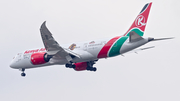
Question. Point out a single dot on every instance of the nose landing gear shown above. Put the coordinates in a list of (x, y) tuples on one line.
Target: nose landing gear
[(22, 74)]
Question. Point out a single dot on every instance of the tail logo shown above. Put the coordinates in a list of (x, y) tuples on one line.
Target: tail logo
[(140, 21)]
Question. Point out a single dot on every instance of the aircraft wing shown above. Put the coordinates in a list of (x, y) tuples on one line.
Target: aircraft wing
[(51, 45)]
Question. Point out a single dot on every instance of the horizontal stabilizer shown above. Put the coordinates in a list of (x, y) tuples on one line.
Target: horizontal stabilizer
[(140, 49), (146, 48), (162, 39), (133, 37)]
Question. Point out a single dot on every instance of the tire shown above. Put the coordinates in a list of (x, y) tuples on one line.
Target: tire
[(23, 74), (73, 66), (67, 65), (94, 69), (88, 68)]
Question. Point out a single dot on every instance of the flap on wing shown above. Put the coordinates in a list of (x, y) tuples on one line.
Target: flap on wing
[(140, 49), (133, 37), (72, 53)]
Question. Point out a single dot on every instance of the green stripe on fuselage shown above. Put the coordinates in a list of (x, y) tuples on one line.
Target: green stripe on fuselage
[(115, 49), (139, 32)]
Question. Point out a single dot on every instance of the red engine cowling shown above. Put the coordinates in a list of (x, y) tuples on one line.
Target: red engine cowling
[(39, 58), (80, 66)]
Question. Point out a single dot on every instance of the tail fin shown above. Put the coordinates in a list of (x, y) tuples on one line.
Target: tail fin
[(140, 22)]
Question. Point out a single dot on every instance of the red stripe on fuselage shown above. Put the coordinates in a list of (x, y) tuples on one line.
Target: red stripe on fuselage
[(104, 51)]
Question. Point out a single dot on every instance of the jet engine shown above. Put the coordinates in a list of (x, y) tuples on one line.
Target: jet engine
[(80, 66), (40, 58), (83, 66)]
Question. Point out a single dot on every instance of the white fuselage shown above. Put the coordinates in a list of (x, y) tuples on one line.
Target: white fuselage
[(88, 51)]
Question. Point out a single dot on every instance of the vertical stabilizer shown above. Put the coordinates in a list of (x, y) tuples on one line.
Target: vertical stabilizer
[(140, 22)]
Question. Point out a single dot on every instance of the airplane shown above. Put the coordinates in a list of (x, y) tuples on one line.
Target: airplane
[(82, 56)]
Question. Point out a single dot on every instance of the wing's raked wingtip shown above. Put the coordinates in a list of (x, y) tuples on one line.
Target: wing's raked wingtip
[(43, 24), (150, 3)]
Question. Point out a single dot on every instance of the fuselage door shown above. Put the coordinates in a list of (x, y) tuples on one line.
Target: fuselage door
[(85, 46), (18, 57)]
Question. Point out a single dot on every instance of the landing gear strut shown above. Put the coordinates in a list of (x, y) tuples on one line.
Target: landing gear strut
[(22, 74), (90, 66)]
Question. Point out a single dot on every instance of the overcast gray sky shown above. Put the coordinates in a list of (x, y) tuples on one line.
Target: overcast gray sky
[(151, 75)]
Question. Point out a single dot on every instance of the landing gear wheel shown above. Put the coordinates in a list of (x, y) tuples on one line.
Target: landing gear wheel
[(94, 69), (67, 65), (88, 68), (73, 66), (91, 69), (23, 74)]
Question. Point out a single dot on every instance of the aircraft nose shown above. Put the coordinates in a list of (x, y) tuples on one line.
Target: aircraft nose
[(12, 64)]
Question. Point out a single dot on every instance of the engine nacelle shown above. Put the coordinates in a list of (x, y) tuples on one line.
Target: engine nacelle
[(40, 58), (80, 66)]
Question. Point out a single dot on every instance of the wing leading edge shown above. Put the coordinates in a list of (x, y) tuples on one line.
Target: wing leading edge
[(52, 46)]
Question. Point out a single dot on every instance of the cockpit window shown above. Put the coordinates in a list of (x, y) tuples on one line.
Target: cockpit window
[(17, 55)]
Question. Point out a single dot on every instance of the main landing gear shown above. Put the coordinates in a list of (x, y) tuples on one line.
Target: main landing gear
[(22, 74), (70, 65), (90, 66)]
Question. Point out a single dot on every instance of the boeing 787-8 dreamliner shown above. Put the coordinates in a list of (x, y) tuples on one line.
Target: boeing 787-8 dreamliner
[(82, 56)]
